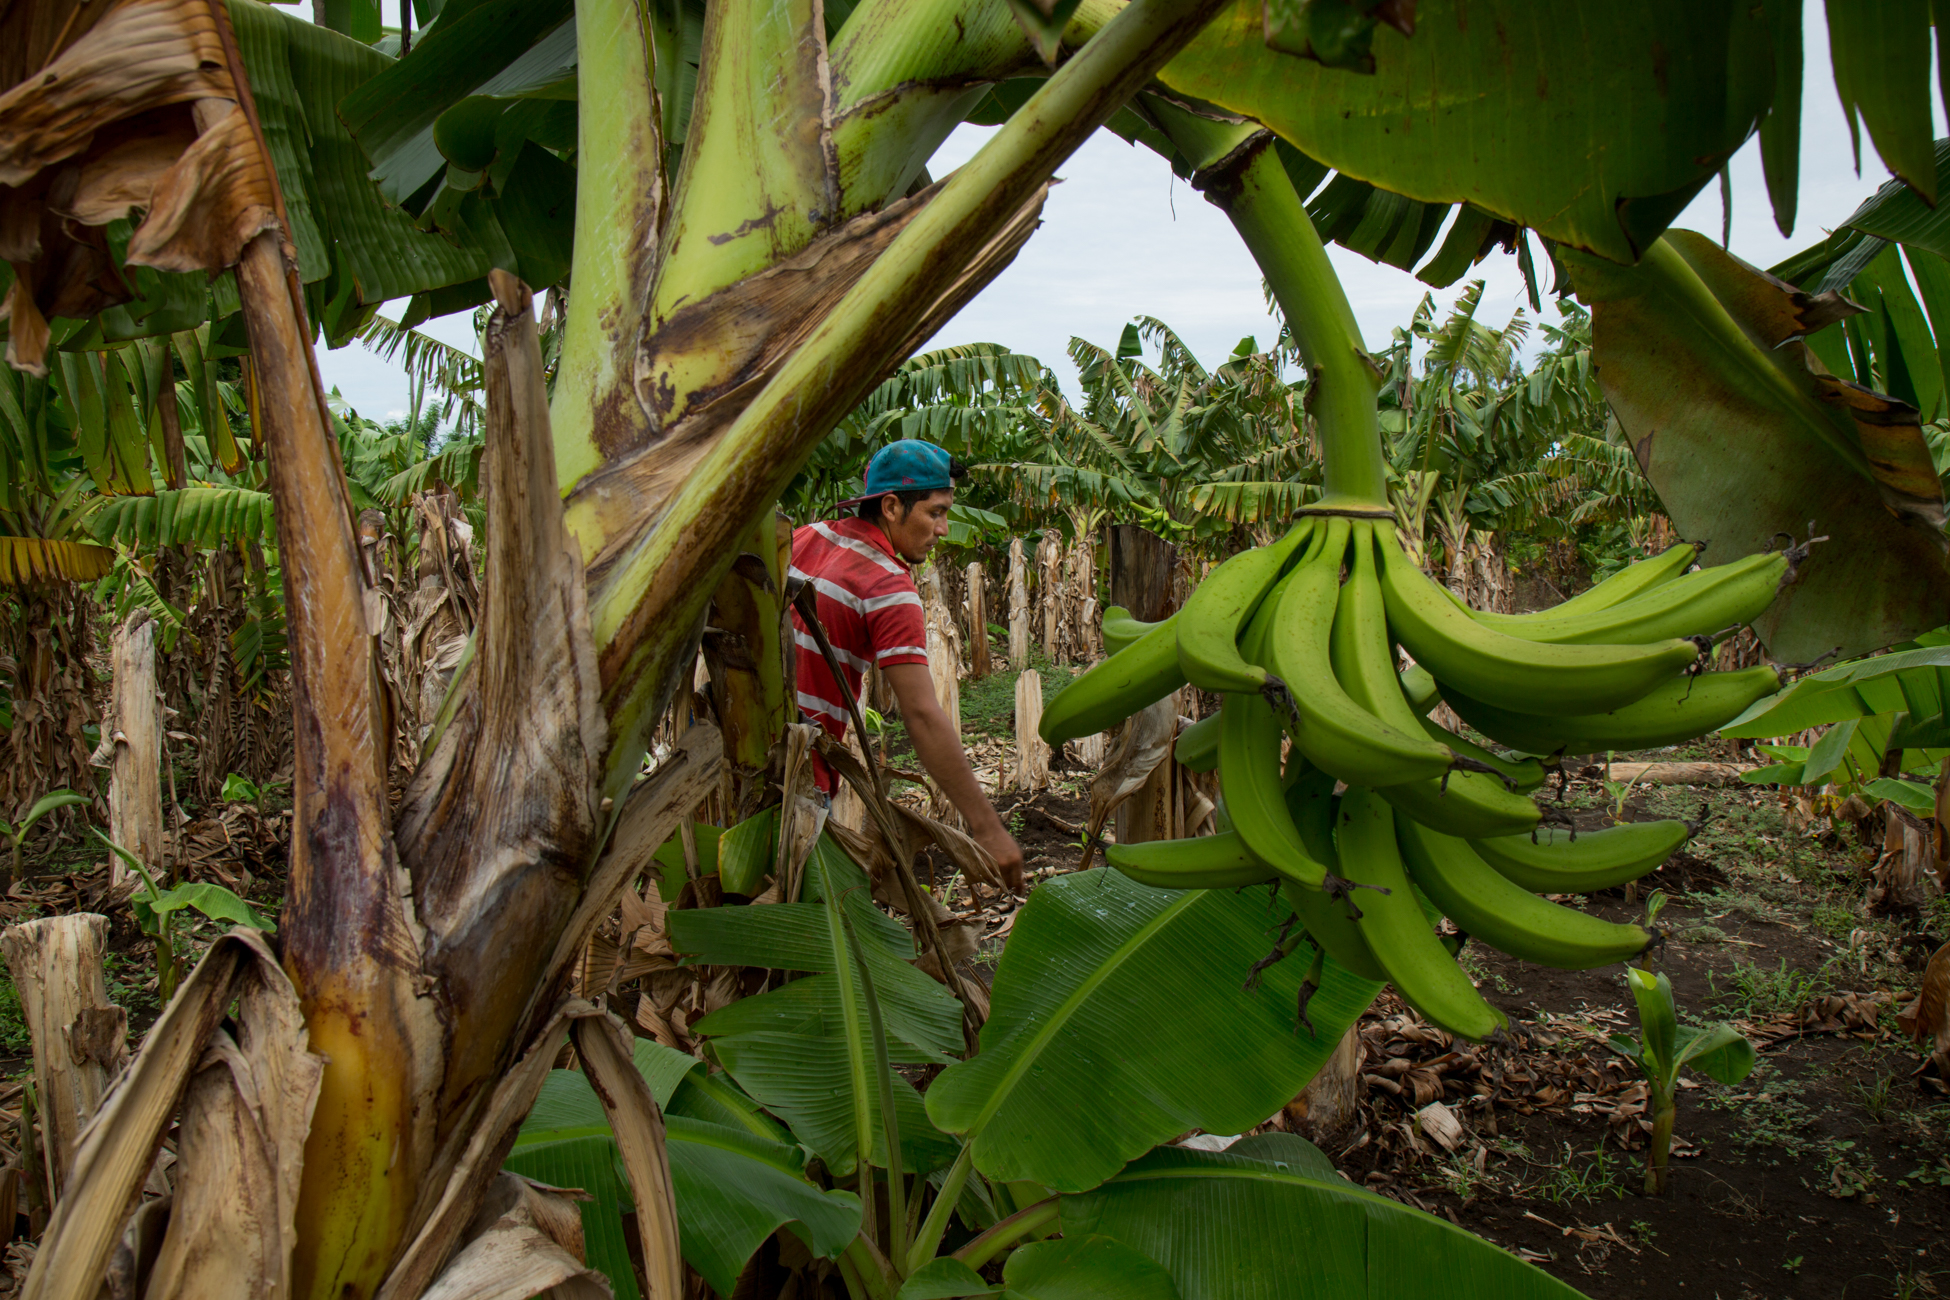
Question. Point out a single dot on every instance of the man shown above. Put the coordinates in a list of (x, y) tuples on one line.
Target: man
[(872, 614)]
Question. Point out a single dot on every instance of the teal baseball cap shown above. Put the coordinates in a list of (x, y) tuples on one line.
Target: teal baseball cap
[(906, 466)]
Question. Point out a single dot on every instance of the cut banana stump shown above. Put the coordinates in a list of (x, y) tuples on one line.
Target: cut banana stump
[(1300, 638)]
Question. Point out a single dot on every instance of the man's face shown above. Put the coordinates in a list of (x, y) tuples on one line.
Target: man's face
[(914, 533)]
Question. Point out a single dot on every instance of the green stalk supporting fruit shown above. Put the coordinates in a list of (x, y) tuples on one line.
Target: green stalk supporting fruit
[(1255, 193)]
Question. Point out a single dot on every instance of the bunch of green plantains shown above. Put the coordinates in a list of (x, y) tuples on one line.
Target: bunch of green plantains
[(1300, 638)]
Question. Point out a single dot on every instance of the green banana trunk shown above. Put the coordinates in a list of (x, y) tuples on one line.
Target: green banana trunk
[(660, 552)]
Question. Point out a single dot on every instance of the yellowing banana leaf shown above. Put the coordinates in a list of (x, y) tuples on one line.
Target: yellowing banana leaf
[(1119, 1022), (1293, 1230), (1700, 356), (1594, 123), (25, 561)]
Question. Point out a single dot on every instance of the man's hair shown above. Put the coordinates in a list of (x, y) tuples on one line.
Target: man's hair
[(869, 509)]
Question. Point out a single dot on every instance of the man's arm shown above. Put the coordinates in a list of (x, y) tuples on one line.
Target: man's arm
[(940, 751)]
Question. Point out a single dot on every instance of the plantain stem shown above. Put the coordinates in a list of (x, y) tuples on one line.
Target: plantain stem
[(928, 1239), (619, 206), (1253, 190), (1660, 1148), (1040, 1217)]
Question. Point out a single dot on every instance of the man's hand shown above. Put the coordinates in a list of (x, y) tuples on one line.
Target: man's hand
[(939, 749), (1003, 848)]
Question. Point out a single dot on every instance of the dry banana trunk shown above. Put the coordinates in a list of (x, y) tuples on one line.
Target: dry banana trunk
[(978, 621), (1330, 1102), (79, 1036), (1032, 755), (1086, 635), (135, 817), (1018, 608), (1049, 563)]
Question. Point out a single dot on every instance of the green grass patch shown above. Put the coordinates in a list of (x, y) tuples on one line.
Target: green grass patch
[(1755, 992), (14, 1038), (988, 704)]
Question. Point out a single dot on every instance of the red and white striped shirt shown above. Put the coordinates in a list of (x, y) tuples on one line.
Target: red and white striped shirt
[(869, 607)]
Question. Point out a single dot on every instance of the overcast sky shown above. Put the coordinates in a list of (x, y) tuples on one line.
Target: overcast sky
[(1123, 237)]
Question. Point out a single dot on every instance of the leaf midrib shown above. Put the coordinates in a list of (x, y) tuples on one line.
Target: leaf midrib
[(1066, 1010)]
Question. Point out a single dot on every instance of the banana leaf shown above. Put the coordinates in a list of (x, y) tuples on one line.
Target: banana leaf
[(1896, 214), (343, 230), (206, 517), (733, 1188), (1913, 795), (1084, 1268), (804, 1051), (1119, 1021), (1912, 680), (1593, 123), (746, 851), (1881, 55), (711, 1096), (670, 857), (393, 114), (1269, 1219), (1700, 357)]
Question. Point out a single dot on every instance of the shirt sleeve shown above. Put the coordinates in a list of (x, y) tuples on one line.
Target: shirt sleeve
[(898, 628)]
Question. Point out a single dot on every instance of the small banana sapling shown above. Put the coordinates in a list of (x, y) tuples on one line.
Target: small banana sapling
[(154, 909), (1665, 1048), (46, 804)]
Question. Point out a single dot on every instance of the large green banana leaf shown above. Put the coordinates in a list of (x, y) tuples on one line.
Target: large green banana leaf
[(354, 250), (805, 1051), (1747, 437), (733, 1188), (206, 517), (1593, 122), (1269, 1219), (1119, 1020)]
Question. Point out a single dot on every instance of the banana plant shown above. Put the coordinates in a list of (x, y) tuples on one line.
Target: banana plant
[(155, 911), (1882, 718), (1663, 1049), (17, 834), (803, 1068)]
